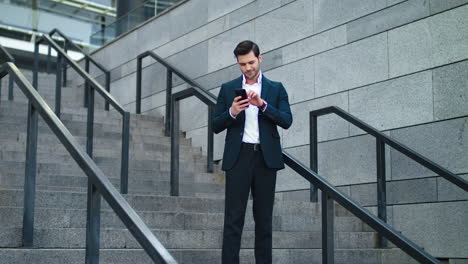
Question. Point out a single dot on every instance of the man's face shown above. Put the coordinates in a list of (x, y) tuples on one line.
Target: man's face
[(249, 65)]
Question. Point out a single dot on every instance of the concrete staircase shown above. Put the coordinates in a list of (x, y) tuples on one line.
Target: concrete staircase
[(190, 226)]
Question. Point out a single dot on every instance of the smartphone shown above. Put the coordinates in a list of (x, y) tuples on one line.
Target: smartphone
[(242, 93)]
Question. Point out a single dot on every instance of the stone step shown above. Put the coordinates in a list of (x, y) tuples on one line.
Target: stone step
[(204, 256), (181, 239), (11, 217), (77, 200)]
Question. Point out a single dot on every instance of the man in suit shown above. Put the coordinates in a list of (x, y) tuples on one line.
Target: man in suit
[(252, 151)]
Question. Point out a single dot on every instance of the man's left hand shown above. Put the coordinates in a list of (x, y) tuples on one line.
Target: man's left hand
[(254, 98)]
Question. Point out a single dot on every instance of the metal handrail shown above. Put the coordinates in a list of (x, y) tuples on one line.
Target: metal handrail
[(206, 97), (91, 86), (9, 58), (98, 185), (381, 141), (67, 43)]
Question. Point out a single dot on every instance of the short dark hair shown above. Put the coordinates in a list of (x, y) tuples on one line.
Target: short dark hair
[(245, 47)]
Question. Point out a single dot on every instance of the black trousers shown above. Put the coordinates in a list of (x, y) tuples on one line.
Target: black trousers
[(249, 173)]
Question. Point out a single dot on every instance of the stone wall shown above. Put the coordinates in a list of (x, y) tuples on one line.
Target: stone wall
[(401, 66)]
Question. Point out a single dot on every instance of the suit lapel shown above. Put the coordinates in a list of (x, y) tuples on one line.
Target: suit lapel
[(265, 88)]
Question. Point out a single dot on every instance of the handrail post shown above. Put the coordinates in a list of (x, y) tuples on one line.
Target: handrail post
[(138, 86), (90, 122), (36, 65), (328, 236), (313, 154), (58, 88), (93, 221), (30, 177), (64, 64), (381, 187), (175, 148), (108, 79), (49, 52), (125, 153), (11, 80), (86, 90), (168, 121), (210, 143)]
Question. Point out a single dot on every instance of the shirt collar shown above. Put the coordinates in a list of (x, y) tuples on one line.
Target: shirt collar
[(259, 79)]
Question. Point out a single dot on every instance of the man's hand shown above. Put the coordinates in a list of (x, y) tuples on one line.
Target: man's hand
[(254, 98), (239, 105)]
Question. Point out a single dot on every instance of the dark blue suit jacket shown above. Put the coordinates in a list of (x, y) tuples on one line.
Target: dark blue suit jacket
[(277, 113)]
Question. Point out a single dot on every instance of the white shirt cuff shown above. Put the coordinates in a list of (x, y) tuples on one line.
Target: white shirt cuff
[(233, 116)]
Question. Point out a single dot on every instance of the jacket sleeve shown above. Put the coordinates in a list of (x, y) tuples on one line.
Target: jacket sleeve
[(222, 119), (281, 115)]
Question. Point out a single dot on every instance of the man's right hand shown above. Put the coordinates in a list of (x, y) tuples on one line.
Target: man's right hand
[(239, 105)]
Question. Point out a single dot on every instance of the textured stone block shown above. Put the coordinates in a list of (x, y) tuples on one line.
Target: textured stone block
[(314, 44), (297, 78), (251, 11), (125, 47), (441, 227), (445, 143), (450, 91), (124, 90), (329, 127), (194, 114), (331, 13), (412, 191), (215, 79), (288, 179), (193, 61), (187, 17), (153, 79), (447, 191), (357, 64), (364, 194), (340, 166), (153, 34), (438, 6), (395, 103), (450, 36), (220, 48), (284, 25), (217, 8), (388, 18), (272, 59), (409, 48)]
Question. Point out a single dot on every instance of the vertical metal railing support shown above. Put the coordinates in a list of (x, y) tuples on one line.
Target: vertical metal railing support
[(89, 126), (93, 222), (381, 187), (64, 64), (58, 88), (11, 81), (210, 143), (31, 163), (168, 118), (108, 79), (328, 235), (175, 147), (86, 90), (125, 153), (138, 86), (49, 55), (313, 155)]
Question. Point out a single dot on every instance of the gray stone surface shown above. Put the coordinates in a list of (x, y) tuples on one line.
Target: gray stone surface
[(124, 90), (193, 61), (331, 13), (447, 191), (217, 8), (441, 227), (251, 11), (288, 179), (153, 34), (412, 191), (388, 18), (395, 103), (297, 78), (450, 91), (215, 79), (357, 64), (272, 59), (450, 36), (285, 25), (187, 17), (442, 5), (445, 143), (220, 48), (431, 42), (314, 44), (153, 80), (329, 127)]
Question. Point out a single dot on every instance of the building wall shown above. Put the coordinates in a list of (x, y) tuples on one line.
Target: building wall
[(401, 66)]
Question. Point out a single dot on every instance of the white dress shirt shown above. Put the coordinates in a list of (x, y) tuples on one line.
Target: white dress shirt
[(251, 131)]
